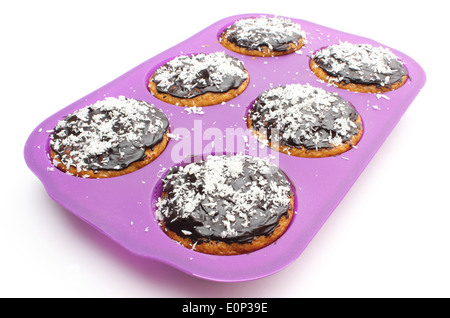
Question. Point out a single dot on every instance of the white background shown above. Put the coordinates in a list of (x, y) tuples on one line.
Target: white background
[(389, 237)]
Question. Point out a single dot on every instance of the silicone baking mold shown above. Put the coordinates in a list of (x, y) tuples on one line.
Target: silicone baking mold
[(123, 208)]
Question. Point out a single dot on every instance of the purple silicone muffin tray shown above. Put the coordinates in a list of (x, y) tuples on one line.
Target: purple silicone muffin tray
[(123, 208)]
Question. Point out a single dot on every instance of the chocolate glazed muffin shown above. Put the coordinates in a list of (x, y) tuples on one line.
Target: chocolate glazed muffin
[(226, 205), (112, 137), (305, 121), (199, 79), (359, 67), (263, 36)]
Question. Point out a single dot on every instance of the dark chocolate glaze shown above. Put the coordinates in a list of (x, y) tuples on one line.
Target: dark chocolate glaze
[(365, 74), (123, 152), (202, 82), (319, 122), (206, 222), (262, 37), (261, 40)]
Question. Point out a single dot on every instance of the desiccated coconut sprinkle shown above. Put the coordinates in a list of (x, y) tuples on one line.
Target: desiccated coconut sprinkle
[(226, 198), (276, 33), (304, 116), (360, 63), (109, 134), (187, 76)]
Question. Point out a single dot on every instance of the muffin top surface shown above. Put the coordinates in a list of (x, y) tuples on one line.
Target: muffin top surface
[(298, 115), (226, 198), (275, 33), (109, 134), (360, 64), (188, 76)]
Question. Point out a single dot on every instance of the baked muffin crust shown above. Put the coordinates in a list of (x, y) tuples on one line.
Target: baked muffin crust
[(359, 67), (305, 121), (199, 79), (226, 205), (111, 137), (263, 37)]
